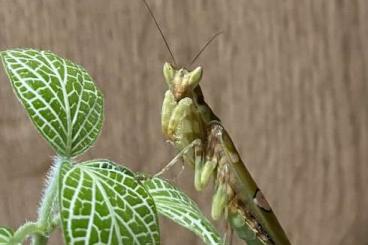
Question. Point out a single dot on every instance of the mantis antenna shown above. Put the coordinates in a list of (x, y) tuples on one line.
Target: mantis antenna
[(204, 47), (159, 29)]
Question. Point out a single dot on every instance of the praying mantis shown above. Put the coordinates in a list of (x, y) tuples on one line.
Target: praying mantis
[(188, 121), (195, 131)]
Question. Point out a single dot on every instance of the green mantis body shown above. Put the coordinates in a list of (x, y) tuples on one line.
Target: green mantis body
[(186, 118)]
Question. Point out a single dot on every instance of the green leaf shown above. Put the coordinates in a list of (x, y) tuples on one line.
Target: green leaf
[(102, 203), (5, 235), (60, 97), (177, 206)]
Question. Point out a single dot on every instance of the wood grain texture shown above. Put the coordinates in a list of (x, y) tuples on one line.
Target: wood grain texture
[(288, 78)]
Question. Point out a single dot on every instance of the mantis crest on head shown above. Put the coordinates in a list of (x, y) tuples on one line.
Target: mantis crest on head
[(195, 131)]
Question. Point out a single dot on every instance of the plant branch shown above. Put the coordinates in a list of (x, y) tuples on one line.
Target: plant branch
[(45, 221), (24, 231)]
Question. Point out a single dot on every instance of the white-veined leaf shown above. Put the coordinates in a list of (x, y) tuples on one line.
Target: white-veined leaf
[(102, 203), (5, 235), (59, 96), (177, 206)]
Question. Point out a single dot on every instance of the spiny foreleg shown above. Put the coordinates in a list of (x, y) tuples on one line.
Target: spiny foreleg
[(205, 165), (178, 157), (223, 179), (168, 106)]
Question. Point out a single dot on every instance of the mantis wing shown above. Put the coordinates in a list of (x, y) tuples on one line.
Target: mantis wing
[(248, 211)]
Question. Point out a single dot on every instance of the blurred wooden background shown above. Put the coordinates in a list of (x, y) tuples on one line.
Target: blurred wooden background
[(288, 78)]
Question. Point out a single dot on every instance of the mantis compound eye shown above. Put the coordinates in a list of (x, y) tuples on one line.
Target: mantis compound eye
[(195, 76)]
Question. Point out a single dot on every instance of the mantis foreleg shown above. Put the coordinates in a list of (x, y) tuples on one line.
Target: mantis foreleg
[(177, 157)]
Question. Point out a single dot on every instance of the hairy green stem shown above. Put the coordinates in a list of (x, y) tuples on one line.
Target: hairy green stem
[(39, 239), (24, 231), (47, 204), (54, 223), (35, 229)]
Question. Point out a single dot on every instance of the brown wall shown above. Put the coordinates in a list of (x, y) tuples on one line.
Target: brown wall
[(288, 78)]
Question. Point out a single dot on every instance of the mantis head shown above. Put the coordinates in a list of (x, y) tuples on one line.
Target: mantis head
[(181, 82)]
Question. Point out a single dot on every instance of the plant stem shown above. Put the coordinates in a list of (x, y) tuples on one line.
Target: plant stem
[(46, 223), (24, 231), (47, 203), (39, 239)]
